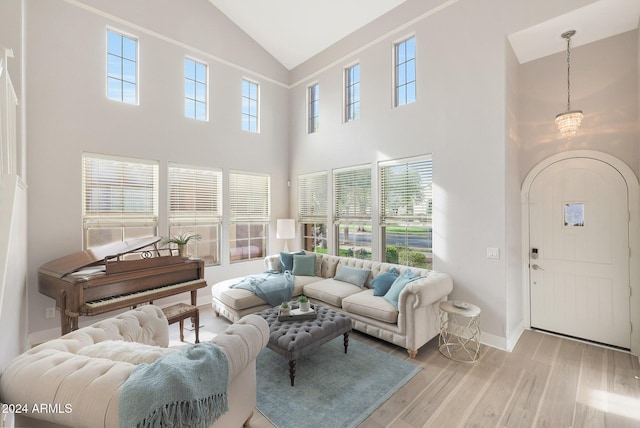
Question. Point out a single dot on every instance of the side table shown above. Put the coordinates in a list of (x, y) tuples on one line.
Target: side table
[(459, 331)]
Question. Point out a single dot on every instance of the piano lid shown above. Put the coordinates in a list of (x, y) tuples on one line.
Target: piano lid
[(73, 262)]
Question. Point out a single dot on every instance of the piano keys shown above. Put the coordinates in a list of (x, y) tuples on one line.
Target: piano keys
[(117, 276)]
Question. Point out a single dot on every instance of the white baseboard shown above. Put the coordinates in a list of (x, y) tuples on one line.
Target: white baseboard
[(493, 341)]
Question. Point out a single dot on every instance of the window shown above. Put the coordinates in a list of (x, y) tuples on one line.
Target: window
[(122, 73), (195, 206), (406, 211), (250, 105), (352, 211), (312, 211), (250, 215), (119, 199), (352, 93), (405, 71), (313, 108), (195, 89)]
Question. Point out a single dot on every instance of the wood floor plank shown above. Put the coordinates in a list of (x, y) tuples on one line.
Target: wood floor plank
[(546, 381)]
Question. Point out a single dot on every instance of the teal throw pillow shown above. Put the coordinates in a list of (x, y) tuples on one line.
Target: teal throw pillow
[(286, 260), (352, 275), (398, 285), (304, 265), (382, 283)]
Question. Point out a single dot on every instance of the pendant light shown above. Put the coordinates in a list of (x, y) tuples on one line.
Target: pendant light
[(569, 121)]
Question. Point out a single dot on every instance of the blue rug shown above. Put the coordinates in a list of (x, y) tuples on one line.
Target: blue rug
[(332, 389)]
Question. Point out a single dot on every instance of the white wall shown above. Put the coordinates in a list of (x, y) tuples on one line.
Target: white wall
[(69, 113)]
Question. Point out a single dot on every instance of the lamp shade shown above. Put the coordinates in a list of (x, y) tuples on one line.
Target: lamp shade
[(286, 228)]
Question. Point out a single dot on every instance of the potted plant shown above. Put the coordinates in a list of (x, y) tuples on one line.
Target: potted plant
[(284, 308), (305, 305), (181, 241)]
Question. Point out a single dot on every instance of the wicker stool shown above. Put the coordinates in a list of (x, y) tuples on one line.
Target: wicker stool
[(180, 312)]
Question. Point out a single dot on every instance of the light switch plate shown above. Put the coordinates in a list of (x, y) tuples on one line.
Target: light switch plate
[(493, 253)]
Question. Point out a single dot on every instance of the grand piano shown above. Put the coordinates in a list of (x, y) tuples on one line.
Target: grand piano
[(117, 276)]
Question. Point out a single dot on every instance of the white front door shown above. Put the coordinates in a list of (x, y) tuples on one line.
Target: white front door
[(579, 255)]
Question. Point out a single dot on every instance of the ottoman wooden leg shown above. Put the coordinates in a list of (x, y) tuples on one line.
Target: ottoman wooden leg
[(292, 370), (346, 342)]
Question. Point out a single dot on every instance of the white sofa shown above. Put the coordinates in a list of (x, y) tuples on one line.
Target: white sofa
[(83, 391), (410, 326)]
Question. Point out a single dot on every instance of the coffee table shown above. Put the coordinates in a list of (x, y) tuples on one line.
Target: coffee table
[(292, 339)]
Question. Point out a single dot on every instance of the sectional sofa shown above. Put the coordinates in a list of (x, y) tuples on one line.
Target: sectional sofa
[(405, 313)]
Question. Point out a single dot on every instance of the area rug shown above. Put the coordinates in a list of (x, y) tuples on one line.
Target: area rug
[(332, 389)]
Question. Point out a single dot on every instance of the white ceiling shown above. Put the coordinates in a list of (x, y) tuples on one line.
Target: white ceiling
[(295, 30)]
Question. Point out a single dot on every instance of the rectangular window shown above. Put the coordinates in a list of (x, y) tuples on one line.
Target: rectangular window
[(405, 71), (406, 211), (312, 211), (195, 207), (352, 93), (195, 90), (352, 211), (250, 215), (122, 72), (313, 108), (250, 106), (119, 199)]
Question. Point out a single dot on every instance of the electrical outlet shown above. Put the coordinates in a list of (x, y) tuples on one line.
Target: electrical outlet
[(493, 253), (50, 313)]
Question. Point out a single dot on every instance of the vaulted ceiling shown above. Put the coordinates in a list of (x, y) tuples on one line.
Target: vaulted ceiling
[(293, 31)]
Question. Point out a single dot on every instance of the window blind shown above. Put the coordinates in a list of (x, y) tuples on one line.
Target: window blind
[(119, 191), (312, 198), (406, 191), (352, 194), (249, 197), (195, 195)]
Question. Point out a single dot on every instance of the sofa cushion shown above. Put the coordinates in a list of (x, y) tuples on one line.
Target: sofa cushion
[(355, 276), (304, 265), (398, 285), (329, 265), (330, 291), (286, 260), (382, 283), (370, 306)]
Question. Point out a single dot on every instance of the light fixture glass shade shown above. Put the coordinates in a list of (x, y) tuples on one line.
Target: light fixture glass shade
[(286, 228), (569, 122)]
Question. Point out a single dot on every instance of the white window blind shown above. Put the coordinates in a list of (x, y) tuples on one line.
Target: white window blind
[(249, 197), (195, 195), (406, 191), (119, 191), (352, 195), (312, 197)]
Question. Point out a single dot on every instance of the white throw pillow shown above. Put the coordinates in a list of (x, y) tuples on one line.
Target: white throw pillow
[(129, 352)]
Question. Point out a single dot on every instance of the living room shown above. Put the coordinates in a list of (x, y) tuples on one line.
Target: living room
[(484, 116)]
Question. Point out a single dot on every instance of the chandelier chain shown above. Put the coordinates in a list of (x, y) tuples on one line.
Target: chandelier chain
[(568, 74)]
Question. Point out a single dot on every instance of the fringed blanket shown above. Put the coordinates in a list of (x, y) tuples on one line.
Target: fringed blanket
[(181, 389), (273, 288)]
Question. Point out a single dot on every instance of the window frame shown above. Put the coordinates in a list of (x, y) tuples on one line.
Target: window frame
[(195, 81), (243, 204), (349, 99), (361, 221), (246, 114), (101, 190), (121, 76), (311, 221), (194, 205), (313, 108), (411, 222), (397, 66)]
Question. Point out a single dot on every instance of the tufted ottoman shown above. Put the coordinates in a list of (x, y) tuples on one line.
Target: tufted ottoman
[(293, 339)]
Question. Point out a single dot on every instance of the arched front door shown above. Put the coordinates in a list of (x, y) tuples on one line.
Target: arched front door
[(579, 251)]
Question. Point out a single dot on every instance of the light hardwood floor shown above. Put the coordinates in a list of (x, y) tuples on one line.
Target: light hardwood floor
[(547, 381)]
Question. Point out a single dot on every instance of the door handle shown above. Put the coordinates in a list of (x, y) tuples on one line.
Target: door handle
[(536, 267)]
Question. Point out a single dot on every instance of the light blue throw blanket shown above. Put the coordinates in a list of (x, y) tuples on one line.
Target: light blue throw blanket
[(181, 389), (273, 288)]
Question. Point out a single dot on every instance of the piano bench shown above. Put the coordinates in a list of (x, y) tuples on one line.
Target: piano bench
[(180, 312)]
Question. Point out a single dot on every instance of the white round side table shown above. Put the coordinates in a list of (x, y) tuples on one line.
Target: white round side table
[(459, 331)]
